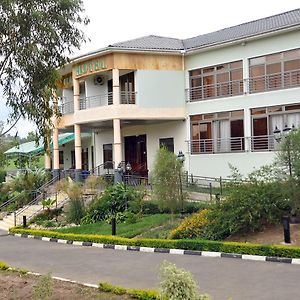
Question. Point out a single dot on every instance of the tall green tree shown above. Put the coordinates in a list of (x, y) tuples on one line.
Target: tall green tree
[(166, 180), (36, 38)]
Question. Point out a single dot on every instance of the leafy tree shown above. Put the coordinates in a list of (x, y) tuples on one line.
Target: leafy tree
[(288, 158), (166, 180), (36, 38)]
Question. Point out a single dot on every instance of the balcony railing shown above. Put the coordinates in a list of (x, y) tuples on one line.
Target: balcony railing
[(237, 144), (217, 90), (95, 101), (67, 107), (127, 97), (274, 81)]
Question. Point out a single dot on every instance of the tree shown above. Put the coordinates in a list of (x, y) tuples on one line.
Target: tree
[(37, 36), (288, 158), (166, 180)]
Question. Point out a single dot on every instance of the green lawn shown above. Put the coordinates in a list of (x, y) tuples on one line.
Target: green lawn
[(143, 225)]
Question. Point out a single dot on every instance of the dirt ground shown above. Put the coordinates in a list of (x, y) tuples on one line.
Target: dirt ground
[(16, 286), (271, 235)]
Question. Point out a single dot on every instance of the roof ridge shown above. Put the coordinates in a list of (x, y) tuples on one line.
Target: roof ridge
[(242, 24)]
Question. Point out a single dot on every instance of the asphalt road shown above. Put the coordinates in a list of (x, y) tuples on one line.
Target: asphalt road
[(220, 277)]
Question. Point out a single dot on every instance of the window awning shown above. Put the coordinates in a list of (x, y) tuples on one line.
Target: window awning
[(32, 148)]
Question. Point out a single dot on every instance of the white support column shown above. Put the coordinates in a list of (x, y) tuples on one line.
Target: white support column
[(116, 86), (48, 155), (117, 151), (247, 129), (55, 150), (78, 157), (246, 75), (76, 94)]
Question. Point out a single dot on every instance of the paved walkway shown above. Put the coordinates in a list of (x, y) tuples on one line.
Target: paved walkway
[(220, 277)]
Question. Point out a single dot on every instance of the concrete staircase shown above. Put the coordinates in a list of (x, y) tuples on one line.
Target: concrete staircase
[(29, 211)]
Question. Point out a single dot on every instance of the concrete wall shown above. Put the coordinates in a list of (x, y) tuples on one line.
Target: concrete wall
[(160, 88), (215, 165)]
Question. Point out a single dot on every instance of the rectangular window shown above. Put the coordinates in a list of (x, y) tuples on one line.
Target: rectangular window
[(216, 81), (168, 143), (108, 156), (224, 132), (275, 71), (61, 157)]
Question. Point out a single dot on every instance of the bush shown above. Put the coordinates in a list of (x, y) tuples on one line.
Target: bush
[(166, 180), (192, 227), (44, 288), (177, 284), (115, 199), (3, 266), (135, 293), (75, 211), (150, 208), (2, 176)]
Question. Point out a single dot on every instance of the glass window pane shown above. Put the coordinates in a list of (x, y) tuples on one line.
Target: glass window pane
[(208, 70), (236, 64), (195, 72), (196, 118), (292, 65), (257, 71), (257, 61), (292, 54), (258, 111), (273, 68), (274, 109), (273, 57), (237, 113), (292, 107)]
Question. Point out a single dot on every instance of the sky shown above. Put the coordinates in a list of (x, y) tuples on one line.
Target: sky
[(118, 20)]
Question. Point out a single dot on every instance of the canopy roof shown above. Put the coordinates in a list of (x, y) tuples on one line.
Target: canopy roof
[(32, 148)]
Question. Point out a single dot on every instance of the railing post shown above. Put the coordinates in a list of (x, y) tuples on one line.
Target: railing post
[(221, 186), (15, 218), (210, 191)]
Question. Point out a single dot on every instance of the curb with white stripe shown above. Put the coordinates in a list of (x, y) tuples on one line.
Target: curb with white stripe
[(287, 260)]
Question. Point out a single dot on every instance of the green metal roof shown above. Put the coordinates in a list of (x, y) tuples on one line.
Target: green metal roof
[(32, 149)]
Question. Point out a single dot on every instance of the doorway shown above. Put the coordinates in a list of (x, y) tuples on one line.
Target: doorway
[(136, 154)]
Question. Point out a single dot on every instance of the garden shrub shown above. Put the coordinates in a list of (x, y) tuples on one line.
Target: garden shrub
[(177, 284), (166, 180), (3, 266), (192, 227), (75, 211), (2, 176), (115, 199)]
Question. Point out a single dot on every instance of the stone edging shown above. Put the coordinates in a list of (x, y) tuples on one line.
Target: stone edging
[(295, 261)]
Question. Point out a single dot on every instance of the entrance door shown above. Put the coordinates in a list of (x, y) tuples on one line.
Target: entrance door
[(136, 154)]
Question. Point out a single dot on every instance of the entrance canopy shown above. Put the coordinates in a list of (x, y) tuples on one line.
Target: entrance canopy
[(32, 148)]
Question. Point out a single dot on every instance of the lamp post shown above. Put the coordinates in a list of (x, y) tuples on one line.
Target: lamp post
[(181, 159), (278, 135)]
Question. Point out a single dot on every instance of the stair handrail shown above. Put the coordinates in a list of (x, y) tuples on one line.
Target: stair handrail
[(6, 203), (61, 203), (98, 168)]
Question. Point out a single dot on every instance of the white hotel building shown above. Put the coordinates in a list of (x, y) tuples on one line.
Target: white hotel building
[(217, 97)]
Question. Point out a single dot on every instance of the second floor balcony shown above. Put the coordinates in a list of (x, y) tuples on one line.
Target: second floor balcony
[(261, 143), (258, 84), (105, 99)]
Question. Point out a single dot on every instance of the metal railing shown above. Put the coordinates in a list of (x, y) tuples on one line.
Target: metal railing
[(274, 81), (127, 97), (66, 107), (217, 90), (236, 144), (104, 169), (220, 145), (95, 101), (263, 143)]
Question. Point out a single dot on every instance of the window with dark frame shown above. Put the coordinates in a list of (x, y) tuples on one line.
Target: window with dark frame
[(216, 81), (168, 143), (107, 156), (61, 157)]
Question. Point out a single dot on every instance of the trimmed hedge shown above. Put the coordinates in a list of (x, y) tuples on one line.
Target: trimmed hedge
[(134, 293), (186, 244)]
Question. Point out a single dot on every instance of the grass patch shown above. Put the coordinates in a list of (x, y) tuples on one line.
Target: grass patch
[(142, 225)]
